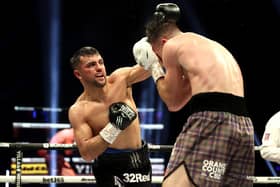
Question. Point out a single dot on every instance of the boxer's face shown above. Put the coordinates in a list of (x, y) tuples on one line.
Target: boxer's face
[(92, 70)]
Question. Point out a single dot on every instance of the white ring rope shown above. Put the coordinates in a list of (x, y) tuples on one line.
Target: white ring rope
[(28, 146), (46, 179)]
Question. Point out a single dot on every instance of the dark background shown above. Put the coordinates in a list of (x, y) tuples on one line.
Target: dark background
[(249, 29)]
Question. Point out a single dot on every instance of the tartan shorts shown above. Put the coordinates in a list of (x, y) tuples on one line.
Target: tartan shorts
[(216, 148)]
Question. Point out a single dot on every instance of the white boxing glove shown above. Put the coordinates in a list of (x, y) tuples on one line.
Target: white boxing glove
[(145, 57), (144, 54)]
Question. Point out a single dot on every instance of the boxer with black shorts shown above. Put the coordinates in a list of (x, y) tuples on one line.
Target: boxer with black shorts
[(123, 168), (105, 122), (216, 145)]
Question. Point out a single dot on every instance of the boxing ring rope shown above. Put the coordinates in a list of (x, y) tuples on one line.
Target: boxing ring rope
[(46, 179), (18, 179)]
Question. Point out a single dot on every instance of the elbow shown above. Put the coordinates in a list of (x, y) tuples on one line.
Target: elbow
[(87, 157), (171, 105), (174, 103), (172, 108)]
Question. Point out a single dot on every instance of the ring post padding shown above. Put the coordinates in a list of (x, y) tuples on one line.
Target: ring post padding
[(19, 155)]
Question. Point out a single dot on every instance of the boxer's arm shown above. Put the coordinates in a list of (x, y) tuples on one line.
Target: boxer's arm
[(89, 146), (137, 74), (121, 116), (132, 74), (174, 88)]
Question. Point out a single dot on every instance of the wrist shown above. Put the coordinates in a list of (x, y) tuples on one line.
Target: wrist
[(157, 71), (109, 133)]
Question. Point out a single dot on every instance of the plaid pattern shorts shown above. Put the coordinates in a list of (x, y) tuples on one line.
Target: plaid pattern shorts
[(217, 149)]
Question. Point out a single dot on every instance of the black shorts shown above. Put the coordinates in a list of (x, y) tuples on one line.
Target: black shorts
[(129, 168)]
